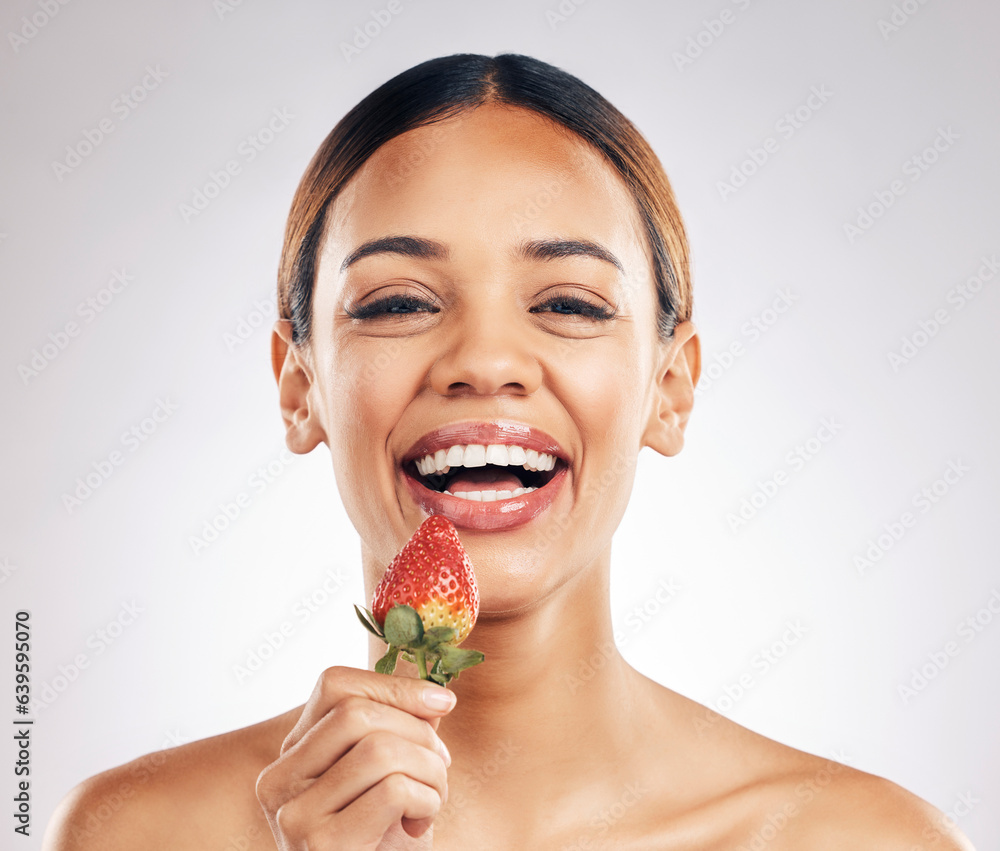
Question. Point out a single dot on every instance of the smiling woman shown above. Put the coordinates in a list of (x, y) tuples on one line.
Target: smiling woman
[(485, 314)]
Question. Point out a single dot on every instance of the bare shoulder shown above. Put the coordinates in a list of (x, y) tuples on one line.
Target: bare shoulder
[(197, 795), (761, 793), (809, 803), (837, 806)]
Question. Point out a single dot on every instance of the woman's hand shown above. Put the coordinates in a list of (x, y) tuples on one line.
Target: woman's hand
[(363, 768)]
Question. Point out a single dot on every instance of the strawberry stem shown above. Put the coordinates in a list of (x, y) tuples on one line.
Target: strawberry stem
[(421, 655)]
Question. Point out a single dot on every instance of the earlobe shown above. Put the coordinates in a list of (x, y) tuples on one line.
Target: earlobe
[(292, 371), (673, 396)]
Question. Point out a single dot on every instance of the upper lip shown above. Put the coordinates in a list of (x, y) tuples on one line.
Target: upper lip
[(502, 432)]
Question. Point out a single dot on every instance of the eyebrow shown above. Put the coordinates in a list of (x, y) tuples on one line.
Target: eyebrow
[(407, 246), (554, 249), (430, 249)]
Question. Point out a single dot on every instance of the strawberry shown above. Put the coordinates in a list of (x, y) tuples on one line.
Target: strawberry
[(427, 604), (433, 574)]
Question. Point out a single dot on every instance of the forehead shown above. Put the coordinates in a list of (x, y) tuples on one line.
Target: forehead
[(484, 181)]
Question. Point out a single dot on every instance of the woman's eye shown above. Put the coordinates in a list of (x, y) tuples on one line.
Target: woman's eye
[(404, 305), (395, 304), (571, 306)]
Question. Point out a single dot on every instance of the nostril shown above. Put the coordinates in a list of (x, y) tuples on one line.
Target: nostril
[(461, 388)]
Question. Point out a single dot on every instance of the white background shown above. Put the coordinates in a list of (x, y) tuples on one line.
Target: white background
[(170, 674)]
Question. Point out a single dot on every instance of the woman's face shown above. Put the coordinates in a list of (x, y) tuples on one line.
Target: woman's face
[(514, 308)]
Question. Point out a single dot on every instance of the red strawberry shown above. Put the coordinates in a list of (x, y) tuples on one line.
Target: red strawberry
[(433, 574), (430, 589)]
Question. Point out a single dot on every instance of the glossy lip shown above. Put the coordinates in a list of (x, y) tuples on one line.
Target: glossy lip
[(486, 516)]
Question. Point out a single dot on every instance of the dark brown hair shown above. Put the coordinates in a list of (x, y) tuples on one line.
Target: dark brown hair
[(441, 88)]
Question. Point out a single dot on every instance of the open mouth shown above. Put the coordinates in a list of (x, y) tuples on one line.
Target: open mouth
[(485, 473)]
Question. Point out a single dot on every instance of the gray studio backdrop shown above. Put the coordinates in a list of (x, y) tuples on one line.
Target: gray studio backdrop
[(818, 564)]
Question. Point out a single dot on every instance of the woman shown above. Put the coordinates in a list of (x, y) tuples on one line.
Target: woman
[(485, 252)]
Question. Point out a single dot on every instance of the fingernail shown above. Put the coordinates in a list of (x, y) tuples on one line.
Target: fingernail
[(443, 750), (438, 698)]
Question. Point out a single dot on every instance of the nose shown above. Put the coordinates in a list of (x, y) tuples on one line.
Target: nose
[(486, 352)]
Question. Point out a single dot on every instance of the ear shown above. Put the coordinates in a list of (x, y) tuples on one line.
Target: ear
[(293, 372), (676, 376)]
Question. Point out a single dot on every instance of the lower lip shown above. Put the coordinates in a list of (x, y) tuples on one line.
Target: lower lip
[(487, 516)]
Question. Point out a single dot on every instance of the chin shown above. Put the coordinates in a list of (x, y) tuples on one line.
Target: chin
[(512, 583)]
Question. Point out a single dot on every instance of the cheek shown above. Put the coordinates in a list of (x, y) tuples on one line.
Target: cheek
[(602, 385), (604, 390), (368, 386)]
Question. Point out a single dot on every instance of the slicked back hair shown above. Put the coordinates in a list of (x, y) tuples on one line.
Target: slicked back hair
[(441, 88)]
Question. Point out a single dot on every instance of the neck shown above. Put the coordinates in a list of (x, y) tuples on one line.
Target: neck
[(553, 690)]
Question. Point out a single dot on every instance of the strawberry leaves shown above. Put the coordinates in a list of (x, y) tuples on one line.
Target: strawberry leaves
[(387, 664), (433, 650), (403, 627), (368, 622)]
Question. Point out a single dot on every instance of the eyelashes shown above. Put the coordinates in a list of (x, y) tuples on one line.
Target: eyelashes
[(406, 305), (394, 304), (574, 306)]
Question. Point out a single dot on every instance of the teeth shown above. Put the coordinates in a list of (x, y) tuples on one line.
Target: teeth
[(490, 496), (496, 454), (475, 455)]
